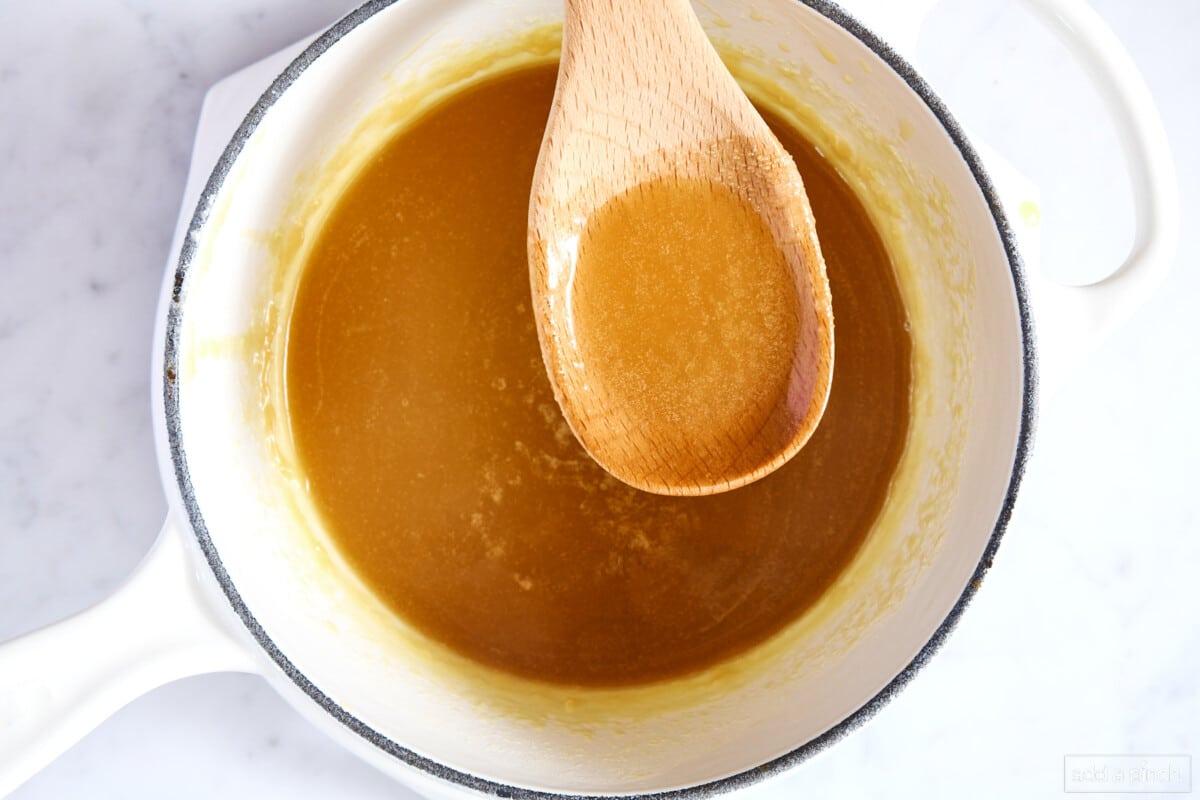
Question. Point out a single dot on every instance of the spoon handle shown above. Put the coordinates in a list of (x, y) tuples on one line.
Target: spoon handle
[(684, 94), (622, 28)]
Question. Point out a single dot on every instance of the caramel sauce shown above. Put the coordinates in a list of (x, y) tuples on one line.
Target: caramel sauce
[(435, 453), (684, 311)]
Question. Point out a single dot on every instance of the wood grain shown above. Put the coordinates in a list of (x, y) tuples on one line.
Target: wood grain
[(643, 96)]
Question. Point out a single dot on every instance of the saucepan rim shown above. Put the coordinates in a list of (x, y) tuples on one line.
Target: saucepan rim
[(171, 397)]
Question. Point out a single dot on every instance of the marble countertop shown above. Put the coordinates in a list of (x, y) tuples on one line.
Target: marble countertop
[(1084, 638)]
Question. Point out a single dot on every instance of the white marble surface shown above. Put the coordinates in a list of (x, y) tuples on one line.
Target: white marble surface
[(1084, 638)]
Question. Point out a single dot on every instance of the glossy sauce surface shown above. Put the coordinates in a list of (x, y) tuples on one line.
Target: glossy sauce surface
[(435, 452), (684, 311)]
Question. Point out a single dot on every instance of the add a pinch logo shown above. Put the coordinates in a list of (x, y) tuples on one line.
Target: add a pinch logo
[(1127, 774)]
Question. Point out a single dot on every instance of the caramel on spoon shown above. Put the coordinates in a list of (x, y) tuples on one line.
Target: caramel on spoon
[(680, 295)]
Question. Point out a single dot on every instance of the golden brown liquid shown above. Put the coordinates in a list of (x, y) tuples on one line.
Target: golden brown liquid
[(684, 310), (435, 452)]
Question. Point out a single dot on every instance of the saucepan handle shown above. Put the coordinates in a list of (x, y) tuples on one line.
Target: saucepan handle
[(1072, 320), (58, 683)]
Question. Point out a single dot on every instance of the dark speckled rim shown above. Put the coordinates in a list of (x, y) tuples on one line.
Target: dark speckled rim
[(733, 782)]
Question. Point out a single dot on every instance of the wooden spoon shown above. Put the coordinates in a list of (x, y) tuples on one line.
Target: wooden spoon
[(644, 100)]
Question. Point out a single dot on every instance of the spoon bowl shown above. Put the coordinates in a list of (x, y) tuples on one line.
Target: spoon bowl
[(711, 399)]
